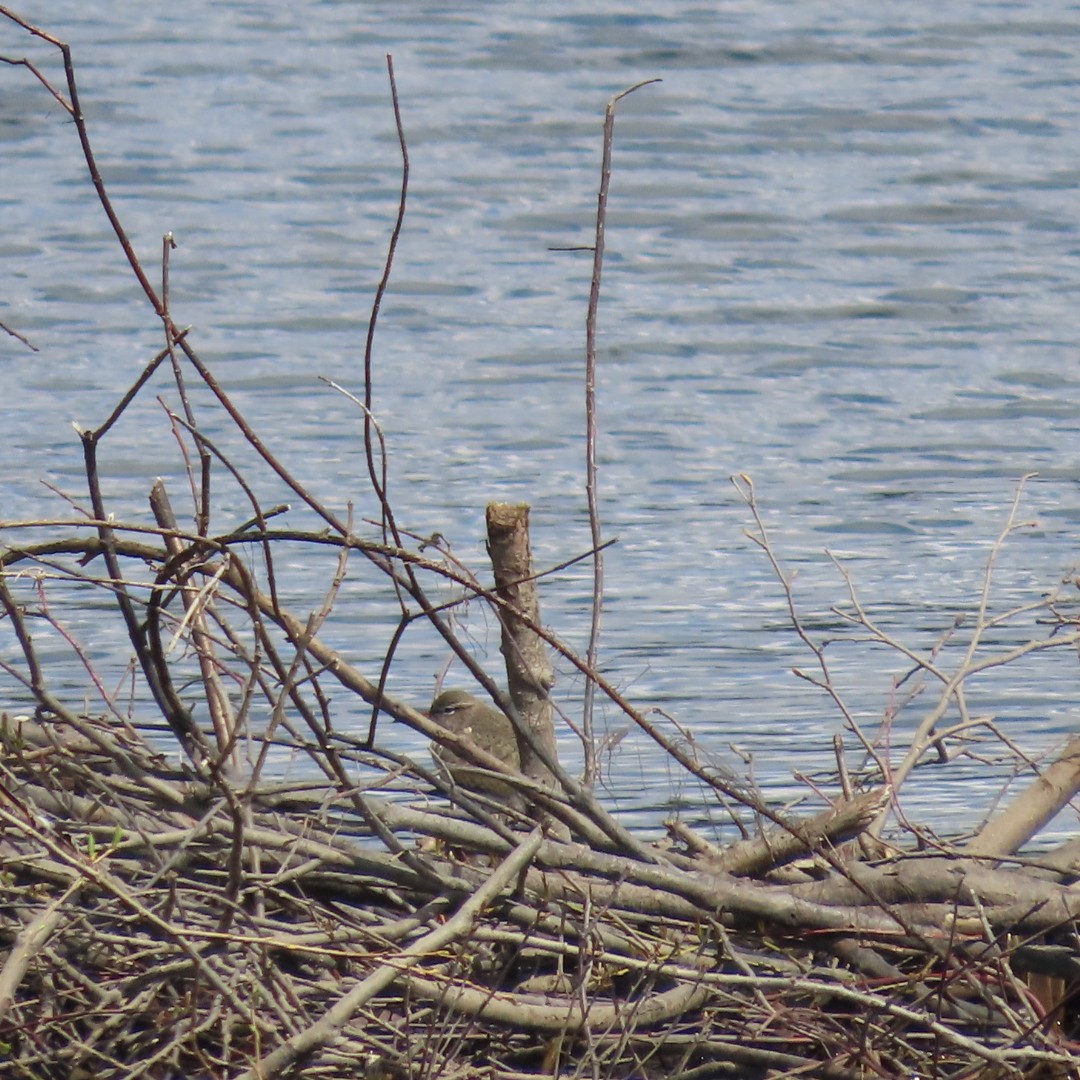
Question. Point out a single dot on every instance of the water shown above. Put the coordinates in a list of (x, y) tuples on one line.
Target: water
[(842, 258)]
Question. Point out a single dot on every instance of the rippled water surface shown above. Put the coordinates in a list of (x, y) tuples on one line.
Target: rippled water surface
[(842, 259)]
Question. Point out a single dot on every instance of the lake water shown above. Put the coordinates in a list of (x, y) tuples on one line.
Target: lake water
[(842, 257)]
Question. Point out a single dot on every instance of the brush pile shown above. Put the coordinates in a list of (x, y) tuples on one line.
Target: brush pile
[(172, 906)]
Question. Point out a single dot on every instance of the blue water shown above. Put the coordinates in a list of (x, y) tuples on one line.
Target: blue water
[(842, 258)]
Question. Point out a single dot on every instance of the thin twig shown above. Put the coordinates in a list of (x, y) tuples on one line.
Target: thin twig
[(591, 489)]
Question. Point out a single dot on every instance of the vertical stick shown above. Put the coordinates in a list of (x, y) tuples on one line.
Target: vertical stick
[(590, 430), (528, 667)]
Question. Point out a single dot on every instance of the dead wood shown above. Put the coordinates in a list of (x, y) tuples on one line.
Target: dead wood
[(128, 894), (1048, 794), (171, 907), (529, 673)]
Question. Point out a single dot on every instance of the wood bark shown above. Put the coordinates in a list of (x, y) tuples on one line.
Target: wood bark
[(1008, 831), (528, 666)]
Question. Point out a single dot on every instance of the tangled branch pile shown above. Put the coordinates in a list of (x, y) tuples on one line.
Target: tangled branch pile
[(168, 908)]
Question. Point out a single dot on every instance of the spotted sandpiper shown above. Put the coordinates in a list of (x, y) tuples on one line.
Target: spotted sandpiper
[(488, 727)]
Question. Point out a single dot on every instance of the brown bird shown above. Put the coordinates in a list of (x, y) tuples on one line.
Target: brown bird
[(488, 727)]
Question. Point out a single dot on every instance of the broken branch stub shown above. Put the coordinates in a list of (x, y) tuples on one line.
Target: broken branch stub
[(528, 668)]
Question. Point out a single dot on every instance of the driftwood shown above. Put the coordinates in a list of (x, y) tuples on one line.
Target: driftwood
[(155, 917), (528, 668), (171, 907)]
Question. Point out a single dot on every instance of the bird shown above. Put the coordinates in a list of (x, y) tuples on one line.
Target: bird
[(489, 728)]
